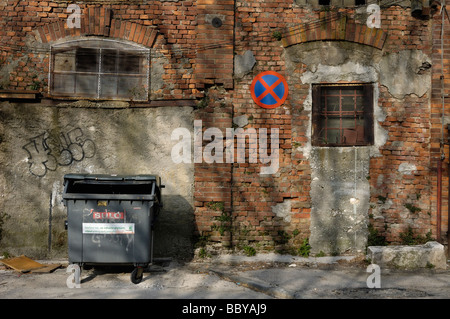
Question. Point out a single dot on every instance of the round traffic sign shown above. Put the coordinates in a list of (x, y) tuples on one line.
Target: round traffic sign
[(269, 89)]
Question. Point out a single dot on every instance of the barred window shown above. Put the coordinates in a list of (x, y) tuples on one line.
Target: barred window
[(100, 69), (342, 115)]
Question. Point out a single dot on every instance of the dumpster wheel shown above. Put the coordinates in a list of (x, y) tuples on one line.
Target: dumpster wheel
[(137, 274)]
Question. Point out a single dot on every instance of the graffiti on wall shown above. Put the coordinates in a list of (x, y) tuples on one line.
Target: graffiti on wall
[(49, 150)]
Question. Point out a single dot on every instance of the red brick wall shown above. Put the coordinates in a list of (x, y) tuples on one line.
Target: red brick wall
[(408, 122), (212, 182), (255, 24), (214, 45), (169, 27), (254, 194), (200, 64)]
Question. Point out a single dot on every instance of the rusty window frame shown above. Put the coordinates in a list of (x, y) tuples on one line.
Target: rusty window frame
[(324, 119), (141, 78)]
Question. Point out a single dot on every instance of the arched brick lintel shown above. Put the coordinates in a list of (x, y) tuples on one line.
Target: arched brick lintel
[(99, 22), (335, 29)]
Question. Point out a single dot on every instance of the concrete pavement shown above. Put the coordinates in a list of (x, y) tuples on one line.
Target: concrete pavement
[(342, 277), (264, 276)]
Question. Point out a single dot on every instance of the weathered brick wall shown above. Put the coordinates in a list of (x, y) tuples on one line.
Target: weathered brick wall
[(255, 196), (233, 203), (404, 197), (214, 42), (170, 28), (212, 181), (407, 122)]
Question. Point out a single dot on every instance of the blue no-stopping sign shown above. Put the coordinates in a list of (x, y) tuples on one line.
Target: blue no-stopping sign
[(269, 89)]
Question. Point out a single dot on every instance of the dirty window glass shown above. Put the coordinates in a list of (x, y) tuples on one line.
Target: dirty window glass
[(342, 115), (100, 70)]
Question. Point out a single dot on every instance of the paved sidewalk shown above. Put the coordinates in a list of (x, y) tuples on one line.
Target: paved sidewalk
[(264, 276), (344, 277)]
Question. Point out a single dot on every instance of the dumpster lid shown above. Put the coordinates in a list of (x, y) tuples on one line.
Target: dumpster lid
[(111, 177), (121, 187)]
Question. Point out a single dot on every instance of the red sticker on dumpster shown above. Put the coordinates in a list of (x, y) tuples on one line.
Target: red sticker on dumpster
[(269, 89)]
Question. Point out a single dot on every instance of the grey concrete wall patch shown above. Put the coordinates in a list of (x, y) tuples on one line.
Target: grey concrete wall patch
[(283, 210), (243, 64), (407, 168), (241, 120), (41, 144), (406, 72), (340, 191), (340, 194)]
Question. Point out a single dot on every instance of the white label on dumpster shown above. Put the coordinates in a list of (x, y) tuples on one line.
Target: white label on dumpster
[(108, 228)]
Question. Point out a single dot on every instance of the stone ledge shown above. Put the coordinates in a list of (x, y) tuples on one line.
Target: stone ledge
[(431, 254)]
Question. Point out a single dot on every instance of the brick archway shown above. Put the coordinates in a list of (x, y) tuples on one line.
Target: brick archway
[(98, 21), (334, 27)]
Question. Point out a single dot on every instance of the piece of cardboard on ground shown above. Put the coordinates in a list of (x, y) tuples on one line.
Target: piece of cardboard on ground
[(24, 264)]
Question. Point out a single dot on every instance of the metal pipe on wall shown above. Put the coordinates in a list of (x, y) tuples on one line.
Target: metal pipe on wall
[(439, 201), (439, 186)]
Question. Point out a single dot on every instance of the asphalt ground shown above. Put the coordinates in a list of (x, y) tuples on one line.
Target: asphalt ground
[(235, 285)]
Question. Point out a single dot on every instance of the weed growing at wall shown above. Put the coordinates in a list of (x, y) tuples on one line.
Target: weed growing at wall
[(413, 209), (224, 219), (218, 206), (249, 251), (201, 241), (283, 237), (409, 238), (223, 227), (382, 199), (304, 248), (320, 254), (203, 253), (277, 35), (375, 239)]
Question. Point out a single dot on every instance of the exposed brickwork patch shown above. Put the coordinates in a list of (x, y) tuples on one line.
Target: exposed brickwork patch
[(97, 21), (334, 27)]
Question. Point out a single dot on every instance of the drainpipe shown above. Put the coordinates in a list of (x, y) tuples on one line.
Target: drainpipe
[(438, 222), (439, 200)]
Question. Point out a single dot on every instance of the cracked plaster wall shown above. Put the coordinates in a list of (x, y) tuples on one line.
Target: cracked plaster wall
[(40, 144), (406, 72)]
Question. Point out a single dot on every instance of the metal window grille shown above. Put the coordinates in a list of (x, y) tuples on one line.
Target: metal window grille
[(342, 115), (100, 69)]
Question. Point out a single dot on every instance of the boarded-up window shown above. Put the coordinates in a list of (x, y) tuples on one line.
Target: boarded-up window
[(342, 115), (100, 69)]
